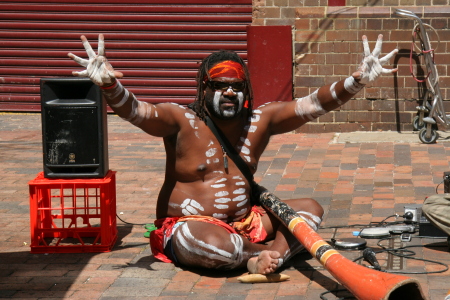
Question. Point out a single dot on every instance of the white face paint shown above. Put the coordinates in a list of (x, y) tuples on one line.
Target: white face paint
[(231, 111)]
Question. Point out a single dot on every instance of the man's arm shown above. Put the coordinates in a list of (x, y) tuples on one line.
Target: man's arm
[(156, 120), (288, 116)]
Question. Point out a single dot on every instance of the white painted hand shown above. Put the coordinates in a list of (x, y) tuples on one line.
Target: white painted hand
[(371, 67), (98, 69)]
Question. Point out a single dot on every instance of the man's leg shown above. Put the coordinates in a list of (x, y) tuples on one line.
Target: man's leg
[(201, 244), (284, 242)]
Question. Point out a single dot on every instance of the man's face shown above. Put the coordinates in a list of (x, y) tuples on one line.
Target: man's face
[(224, 97)]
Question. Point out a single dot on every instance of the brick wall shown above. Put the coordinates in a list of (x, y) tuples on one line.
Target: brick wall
[(328, 47)]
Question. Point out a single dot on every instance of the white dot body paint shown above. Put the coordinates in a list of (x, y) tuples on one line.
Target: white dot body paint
[(240, 183), (191, 207), (221, 206), (242, 203), (240, 198), (211, 152), (221, 194), (247, 158), (255, 118), (239, 191), (221, 180), (241, 212), (220, 216), (222, 200), (246, 141), (192, 123), (245, 150), (189, 116), (218, 186)]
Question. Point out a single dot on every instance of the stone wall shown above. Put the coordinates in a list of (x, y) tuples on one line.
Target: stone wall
[(327, 47)]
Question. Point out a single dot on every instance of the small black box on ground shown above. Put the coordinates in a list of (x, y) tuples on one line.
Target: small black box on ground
[(74, 129), (428, 229)]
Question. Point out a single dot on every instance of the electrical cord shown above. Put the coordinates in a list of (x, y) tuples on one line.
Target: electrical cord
[(403, 252), (438, 186), (129, 222), (322, 296)]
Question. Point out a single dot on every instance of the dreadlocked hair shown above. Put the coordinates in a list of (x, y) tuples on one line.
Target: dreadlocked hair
[(198, 106)]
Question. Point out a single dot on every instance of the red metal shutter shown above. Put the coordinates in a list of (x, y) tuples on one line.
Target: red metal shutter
[(156, 44)]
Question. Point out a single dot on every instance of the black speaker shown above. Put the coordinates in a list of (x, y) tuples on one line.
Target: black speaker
[(74, 129)]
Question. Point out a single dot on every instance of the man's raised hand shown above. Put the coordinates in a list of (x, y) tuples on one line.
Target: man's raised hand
[(98, 69), (371, 66)]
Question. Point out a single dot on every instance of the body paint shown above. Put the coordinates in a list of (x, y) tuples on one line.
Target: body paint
[(309, 107), (351, 86), (218, 258), (191, 207), (333, 94)]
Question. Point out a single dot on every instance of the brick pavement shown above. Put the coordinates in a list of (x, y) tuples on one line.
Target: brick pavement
[(356, 183)]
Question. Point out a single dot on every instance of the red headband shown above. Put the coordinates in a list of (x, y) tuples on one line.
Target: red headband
[(229, 69)]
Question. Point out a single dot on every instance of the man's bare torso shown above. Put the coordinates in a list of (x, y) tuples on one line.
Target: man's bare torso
[(197, 182)]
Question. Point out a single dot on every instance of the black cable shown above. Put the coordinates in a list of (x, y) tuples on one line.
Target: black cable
[(400, 252), (439, 185), (336, 291), (129, 222)]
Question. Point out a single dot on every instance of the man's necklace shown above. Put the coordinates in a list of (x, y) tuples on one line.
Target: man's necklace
[(225, 158)]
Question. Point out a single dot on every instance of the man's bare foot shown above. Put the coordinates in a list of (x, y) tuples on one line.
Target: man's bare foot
[(265, 263)]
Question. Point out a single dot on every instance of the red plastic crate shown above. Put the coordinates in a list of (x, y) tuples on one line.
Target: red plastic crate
[(73, 215)]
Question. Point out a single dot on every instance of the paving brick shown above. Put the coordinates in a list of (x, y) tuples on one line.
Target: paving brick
[(356, 183)]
